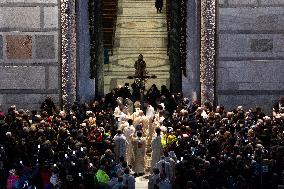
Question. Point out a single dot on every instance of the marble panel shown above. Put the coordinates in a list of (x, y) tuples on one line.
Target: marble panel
[(53, 78), (242, 2), (251, 19), (248, 101), (19, 46), (1, 47), (20, 17), (45, 47), (51, 17), (22, 77), (251, 45)]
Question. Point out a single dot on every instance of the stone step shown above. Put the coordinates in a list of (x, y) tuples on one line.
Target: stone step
[(136, 52), (136, 17), (143, 36), (141, 42), (143, 30), (126, 55), (137, 4), (140, 49), (139, 11), (119, 53), (144, 25), (147, 33)]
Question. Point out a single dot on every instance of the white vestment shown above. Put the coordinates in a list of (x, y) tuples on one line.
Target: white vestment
[(129, 180), (120, 145), (150, 114), (122, 125), (166, 169), (129, 134), (173, 165), (165, 184), (157, 150), (112, 182), (145, 123), (117, 112), (139, 149), (158, 121), (153, 180), (134, 115), (119, 185)]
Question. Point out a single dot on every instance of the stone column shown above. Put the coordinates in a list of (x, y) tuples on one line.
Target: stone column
[(68, 53), (208, 50), (99, 59), (86, 85), (191, 82), (174, 47)]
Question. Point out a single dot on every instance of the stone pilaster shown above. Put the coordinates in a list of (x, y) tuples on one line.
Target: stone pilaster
[(208, 50), (85, 84), (68, 53), (191, 82)]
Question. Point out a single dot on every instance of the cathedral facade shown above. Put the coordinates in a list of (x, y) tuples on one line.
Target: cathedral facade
[(227, 52)]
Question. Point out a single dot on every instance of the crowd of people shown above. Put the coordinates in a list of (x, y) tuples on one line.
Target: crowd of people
[(104, 144)]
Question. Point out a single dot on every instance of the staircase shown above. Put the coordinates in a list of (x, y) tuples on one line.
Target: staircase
[(109, 13), (139, 30)]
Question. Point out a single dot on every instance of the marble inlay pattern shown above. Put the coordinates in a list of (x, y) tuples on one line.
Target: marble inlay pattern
[(19, 46)]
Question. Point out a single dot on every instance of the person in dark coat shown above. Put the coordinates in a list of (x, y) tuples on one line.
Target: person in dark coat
[(48, 106), (159, 5), (140, 66), (279, 106)]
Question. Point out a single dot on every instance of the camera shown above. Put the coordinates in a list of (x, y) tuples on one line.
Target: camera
[(126, 85)]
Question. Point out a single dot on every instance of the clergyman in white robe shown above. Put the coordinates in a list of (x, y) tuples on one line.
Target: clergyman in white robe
[(157, 148), (150, 114), (129, 134), (128, 180), (120, 145), (139, 149), (165, 168), (154, 179)]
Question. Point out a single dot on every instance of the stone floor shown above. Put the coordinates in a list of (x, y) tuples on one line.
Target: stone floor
[(141, 182), (139, 29)]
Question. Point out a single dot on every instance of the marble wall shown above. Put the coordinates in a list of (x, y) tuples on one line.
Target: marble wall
[(250, 63), (29, 63)]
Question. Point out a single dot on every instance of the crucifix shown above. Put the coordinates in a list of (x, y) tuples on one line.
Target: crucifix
[(140, 77)]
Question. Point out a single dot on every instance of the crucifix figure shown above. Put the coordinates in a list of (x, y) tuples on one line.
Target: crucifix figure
[(140, 78), (140, 67)]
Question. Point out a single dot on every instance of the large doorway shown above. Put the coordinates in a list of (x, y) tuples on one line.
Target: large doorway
[(139, 30), (127, 28)]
